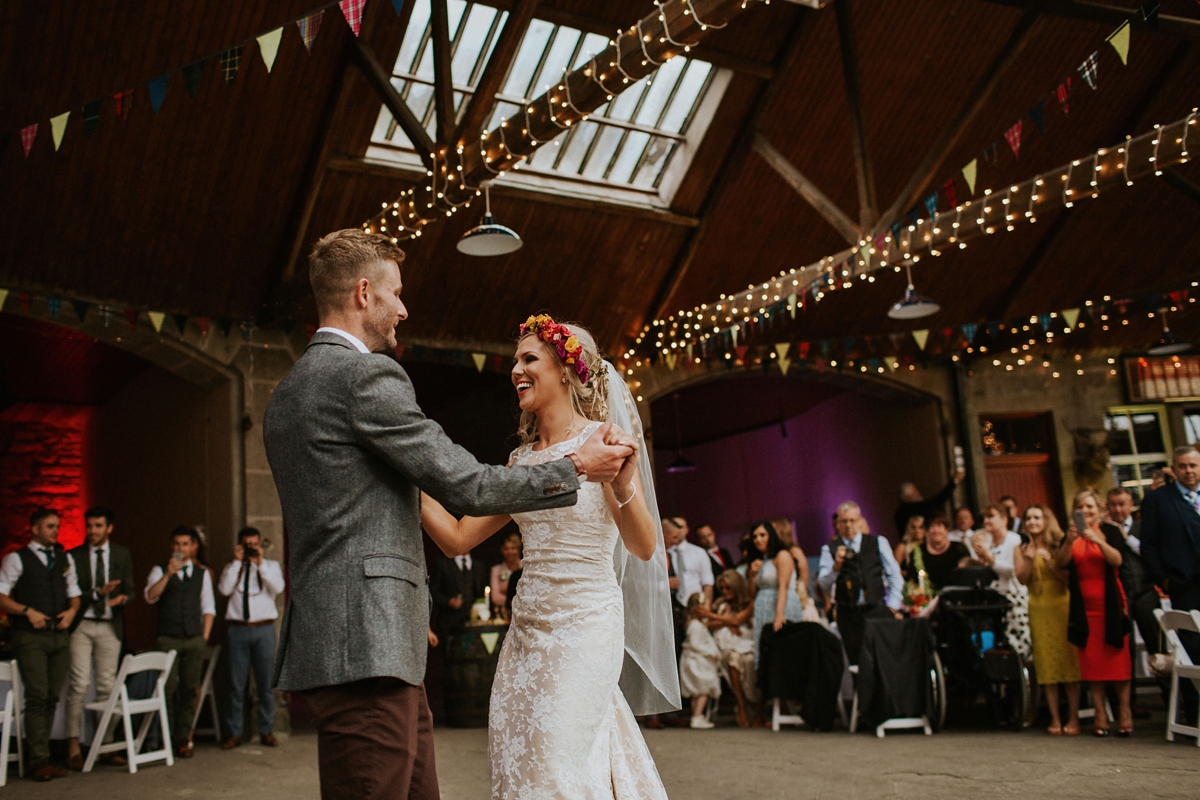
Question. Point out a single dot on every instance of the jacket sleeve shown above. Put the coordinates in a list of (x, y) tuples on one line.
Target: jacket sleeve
[(387, 421), (1151, 535), (127, 585)]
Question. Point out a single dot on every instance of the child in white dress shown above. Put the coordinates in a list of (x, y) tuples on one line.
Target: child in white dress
[(698, 675)]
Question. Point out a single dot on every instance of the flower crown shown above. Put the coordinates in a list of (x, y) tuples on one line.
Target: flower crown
[(565, 343)]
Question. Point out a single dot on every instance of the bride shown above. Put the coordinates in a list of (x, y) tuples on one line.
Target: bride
[(591, 642)]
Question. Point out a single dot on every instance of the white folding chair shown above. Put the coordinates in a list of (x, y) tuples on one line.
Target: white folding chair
[(10, 673), (119, 702), (779, 718), (1172, 622), (211, 654)]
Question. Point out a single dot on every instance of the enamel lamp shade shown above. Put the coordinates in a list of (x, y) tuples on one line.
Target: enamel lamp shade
[(489, 238)]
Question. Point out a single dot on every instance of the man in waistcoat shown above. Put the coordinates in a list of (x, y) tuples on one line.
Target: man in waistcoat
[(105, 572), (861, 574), (182, 589), (40, 594)]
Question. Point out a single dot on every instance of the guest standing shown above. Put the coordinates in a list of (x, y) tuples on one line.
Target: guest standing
[(912, 503), (691, 563), (251, 583), (1055, 659), (772, 582), (105, 572), (706, 537), (40, 593), (1135, 578), (1012, 513), (1098, 622), (731, 623), (183, 591), (914, 536), (511, 552), (937, 557), (698, 675), (456, 584), (994, 546), (964, 526)]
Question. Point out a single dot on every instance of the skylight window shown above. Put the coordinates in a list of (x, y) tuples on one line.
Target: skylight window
[(633, 149)]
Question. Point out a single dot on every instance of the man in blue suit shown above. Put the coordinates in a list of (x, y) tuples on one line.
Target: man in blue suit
[(1171, 547)]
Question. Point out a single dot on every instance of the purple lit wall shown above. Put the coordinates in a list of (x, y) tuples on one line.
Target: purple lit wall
[(849, 447)]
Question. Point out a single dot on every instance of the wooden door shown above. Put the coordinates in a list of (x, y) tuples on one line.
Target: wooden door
[(1022, 460)]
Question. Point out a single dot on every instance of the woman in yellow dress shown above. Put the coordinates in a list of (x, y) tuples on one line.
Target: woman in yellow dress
[(1055, 660)]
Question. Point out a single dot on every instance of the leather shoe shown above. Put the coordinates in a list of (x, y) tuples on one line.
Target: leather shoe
[(269, 740), (43, 773), (185, 751), (113, 760), (231, 742), (75, 762)]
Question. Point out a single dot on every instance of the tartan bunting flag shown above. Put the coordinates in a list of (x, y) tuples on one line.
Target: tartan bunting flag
[(191, 76), (309, 26), (1063, 93), (91, 116), (180, 322), (969, 331), (1119, 39), (268, 46), (158, 91), (124, 103), (1013, 135), (931, 204), (970, 172), (55, 306), (1038, 115), (1089, 69), (398, 5), (352, 10), (951, 194), (81, 309), (28, 135), (58, 127), (231, 59)]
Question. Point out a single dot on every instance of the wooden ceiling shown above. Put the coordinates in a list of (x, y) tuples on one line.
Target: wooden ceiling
[(208, 206)]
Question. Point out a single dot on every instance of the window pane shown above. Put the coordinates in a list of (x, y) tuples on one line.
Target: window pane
[(602, 153), (470, 43), (655, 159), (1146, 434), (419, 97), (1125, 475), (690, 86), (425, 68), (1119, 441), (413, 36), (627, 159), (1191, 427), (558, 57), (577, 148), (505, 111), (520, 77), (624, 104), (454, 13), (659, 92), (382, 125), (545, 155), (593, 44)]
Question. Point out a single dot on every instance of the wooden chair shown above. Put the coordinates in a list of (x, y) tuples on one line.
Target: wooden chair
[(211, 655), (9, 672), (120, 703), (1172, 622)]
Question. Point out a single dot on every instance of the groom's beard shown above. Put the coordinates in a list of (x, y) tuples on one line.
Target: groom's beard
[(383, 332)]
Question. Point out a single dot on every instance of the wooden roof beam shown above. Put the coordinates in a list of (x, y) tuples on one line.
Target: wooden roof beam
[(499, 62), (807, 189), (864, 174), (443, 85), (381, 81), (1180, 183), (1181, 27)]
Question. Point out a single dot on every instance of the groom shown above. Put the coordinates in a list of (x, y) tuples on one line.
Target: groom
[(351, 451)]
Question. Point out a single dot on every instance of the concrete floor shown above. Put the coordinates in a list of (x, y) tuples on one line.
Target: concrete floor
[(727, 763)]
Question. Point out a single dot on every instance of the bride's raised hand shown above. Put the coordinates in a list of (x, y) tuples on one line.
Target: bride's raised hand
[(623, 483)]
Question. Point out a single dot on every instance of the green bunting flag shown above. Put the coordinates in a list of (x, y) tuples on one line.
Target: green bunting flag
[(91, 116)]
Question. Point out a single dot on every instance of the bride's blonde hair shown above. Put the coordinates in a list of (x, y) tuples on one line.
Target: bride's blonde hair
[(588, 399)]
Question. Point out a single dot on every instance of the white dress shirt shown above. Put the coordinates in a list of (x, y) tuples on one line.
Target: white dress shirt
[(692, 567), (208, 603), (11, 569), (463, 562), (1133, 542), (351, 338), (957, 535), (893, 581), (265, 585), (89, 611)]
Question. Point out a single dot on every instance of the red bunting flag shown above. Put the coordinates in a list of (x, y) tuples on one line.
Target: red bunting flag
[(202, 323), (1063, 93), (951, 196), (131, 315), (352, 10), (28, 135), (124, 103), (741, 352), (803, 348), (1013, 135)]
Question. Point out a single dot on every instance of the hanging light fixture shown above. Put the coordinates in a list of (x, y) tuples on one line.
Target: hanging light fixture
[(489, 238), (1167, 344), (680, 464), (912, 305)]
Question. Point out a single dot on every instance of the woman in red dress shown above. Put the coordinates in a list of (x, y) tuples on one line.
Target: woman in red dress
[(1098, 618)]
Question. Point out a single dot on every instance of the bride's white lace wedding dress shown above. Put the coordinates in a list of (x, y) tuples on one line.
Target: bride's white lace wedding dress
[(559, 726)]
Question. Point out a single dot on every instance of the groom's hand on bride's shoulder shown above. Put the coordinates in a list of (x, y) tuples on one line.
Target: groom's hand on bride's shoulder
[(598, 459)]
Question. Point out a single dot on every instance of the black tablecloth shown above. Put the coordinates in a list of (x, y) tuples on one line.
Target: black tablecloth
[(802, 662), (893, 670)]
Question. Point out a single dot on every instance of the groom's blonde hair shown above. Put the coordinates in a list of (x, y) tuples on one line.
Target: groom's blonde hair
[(339, 260)]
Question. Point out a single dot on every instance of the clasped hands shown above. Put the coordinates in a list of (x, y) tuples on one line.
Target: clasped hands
[(608, 456)]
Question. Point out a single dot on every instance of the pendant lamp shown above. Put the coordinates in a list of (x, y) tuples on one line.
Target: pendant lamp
[(1167, 344), (489, 238), (680, 464), (912, 305)]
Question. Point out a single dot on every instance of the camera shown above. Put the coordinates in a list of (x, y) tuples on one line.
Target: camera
[(251, 552)]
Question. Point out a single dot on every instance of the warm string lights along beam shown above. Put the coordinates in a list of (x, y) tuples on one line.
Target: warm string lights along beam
[(1078, 181), (672, 29)]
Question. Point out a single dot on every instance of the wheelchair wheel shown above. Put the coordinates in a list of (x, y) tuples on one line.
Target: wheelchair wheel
[(1010, 700), (937, 679)]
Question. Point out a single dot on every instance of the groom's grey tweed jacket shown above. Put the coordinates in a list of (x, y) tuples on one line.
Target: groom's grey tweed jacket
[(350, 451)]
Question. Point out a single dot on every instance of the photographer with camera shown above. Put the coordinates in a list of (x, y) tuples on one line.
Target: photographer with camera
[(251, 583)]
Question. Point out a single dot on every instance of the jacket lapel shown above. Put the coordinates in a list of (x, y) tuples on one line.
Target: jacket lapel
[(1188, 516)]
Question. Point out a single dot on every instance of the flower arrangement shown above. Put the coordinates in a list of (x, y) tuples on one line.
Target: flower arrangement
[(565, 343)]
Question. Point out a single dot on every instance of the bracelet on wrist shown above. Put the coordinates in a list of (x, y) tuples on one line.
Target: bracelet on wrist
[(628, 499)]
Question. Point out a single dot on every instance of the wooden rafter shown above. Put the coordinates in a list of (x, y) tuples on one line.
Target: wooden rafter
[(1018, 38), (1182, 27), (1180, 183), (807, 189), (381, 81), (868, 206), (443, 86), (499, 62)]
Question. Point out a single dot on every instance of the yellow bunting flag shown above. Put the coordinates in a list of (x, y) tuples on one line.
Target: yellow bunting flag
[(479, 358), (670, 358), (920, 337), (891, 362), (689, 350), (792, 304), (1070, 316), (782, 348), (734, 332), (268, 46), (3, 297), (489, 640), (784, 363), (58, 126), (156, 319), (1119, 39), (969, 174)]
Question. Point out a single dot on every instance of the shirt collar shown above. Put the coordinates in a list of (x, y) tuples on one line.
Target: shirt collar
[(351, 338), (102, 548)]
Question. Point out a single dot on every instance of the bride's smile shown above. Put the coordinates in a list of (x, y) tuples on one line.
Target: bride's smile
[(538, 378)]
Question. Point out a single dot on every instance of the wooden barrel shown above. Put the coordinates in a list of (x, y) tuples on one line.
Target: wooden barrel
[(470, 669)]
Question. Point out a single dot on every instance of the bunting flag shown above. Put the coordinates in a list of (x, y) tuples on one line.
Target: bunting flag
[(741, 352), (58, 127), (247, 327), (268, 46), (896, 232), (124, 103), (180, 322), (1013, 135), (230, 59), (914, 214), (158, 91), (489, 640), (24, 298), (479, 358), (225, 324), (951, 194), (1070, 316), (156, 319), (920, 337), (733, 333), (848, 345), (781, 349), (352, 10), (1063, 93), (931, 204), (191, 76), (792, 304), (892, 362), (91, 116), (81, 309), (1119, 39), (203, 323), (969, 331), (309, 26), (1045, 321), (671, 359), (1038, 115), (131, 315), (1088, 69), (28, 135), (970, 172), (398, 5), (55, 306), (803, 348), (3, 297), (989, 152), (784, 364)]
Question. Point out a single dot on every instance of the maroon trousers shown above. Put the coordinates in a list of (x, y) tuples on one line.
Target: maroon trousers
[(374, 740)]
